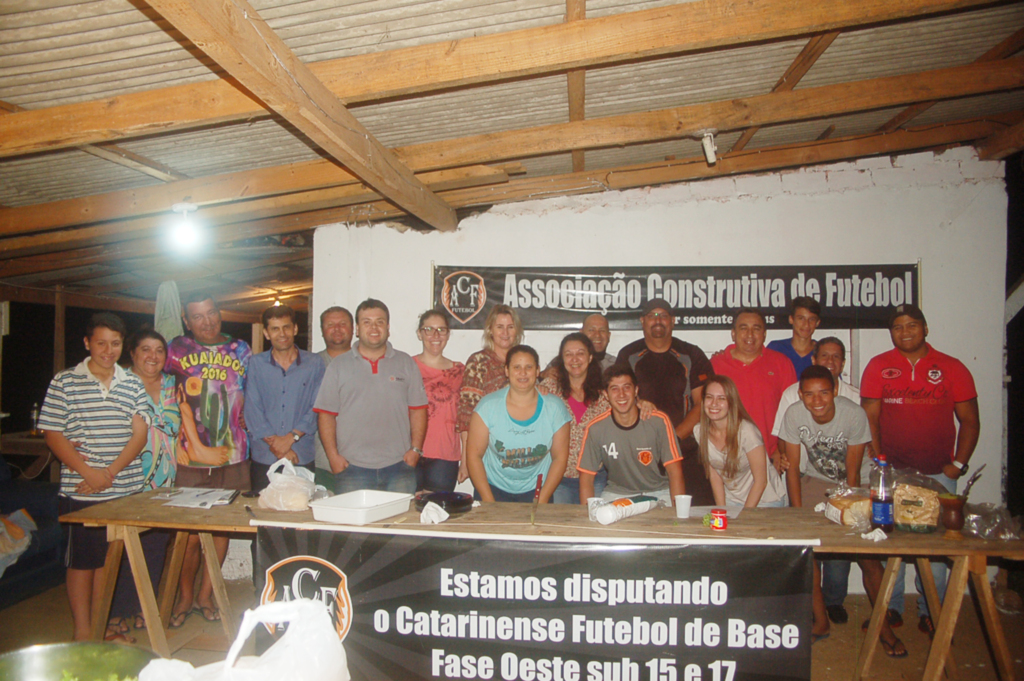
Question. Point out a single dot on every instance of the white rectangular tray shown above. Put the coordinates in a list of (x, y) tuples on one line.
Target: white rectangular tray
[(360, 507)]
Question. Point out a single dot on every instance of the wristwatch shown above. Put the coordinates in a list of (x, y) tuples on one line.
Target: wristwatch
[(417, 450), (296, 437), (962, 467)]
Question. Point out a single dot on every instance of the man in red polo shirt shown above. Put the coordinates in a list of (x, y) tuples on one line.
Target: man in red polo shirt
[(761, 375), (914, 397)]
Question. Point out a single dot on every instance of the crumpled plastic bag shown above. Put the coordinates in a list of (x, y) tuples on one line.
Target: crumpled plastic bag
[(989, 521), (290, 487), (15, 535), (309, 650)]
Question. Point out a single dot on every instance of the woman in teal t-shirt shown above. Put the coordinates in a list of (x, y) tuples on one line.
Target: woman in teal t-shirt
[(517, 434)]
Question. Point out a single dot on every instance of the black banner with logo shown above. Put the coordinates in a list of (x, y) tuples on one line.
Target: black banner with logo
[(704, 298), (419, 607)]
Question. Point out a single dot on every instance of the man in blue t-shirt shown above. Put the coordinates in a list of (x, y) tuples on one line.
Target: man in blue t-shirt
[(804, 317)]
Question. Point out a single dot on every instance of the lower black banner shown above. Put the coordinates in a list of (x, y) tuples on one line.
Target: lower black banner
[(429, 607)]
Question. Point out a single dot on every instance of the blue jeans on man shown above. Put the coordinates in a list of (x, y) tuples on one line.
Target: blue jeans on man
[(835, 581), (939, 570), (398, 477)]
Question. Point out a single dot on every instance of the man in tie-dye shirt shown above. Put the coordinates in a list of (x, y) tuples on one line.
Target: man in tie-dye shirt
[(213, 449)]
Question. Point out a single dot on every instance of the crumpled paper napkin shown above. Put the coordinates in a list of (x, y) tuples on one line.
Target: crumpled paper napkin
[(433, 514), (875, 535), (820, 508)]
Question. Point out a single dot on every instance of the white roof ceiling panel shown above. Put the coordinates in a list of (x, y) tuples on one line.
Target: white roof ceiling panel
[(912, 47)]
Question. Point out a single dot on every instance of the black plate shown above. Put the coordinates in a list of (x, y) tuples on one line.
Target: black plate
[(452, 502)]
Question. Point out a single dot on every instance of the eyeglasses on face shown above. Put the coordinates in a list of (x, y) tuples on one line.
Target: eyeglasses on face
[(434, 330)]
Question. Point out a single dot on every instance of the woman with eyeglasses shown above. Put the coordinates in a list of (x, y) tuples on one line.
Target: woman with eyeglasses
[(442, 462)]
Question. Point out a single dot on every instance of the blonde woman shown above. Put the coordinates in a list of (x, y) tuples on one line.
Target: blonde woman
[(732, 451), (485, 370)]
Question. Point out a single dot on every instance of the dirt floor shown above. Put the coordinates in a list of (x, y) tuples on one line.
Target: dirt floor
[(47, 619)]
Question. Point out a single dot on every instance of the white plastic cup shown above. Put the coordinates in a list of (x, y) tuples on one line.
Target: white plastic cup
[(683, 505)]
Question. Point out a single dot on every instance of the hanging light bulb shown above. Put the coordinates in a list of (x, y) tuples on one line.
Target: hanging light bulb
[(185, 236)]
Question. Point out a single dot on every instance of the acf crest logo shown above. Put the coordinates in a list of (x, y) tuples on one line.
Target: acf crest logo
[(463, 294), (313, 578), (645, 457)]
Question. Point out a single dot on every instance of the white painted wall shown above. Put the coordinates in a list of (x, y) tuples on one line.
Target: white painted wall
[(948, 211)]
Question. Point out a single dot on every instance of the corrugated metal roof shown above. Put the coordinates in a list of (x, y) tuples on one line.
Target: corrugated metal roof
[(55, 52)]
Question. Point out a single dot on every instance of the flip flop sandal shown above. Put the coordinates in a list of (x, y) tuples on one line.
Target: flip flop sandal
[(118, 624), (115, 636), (213, 617), (139, 622), (178, 620), (819, 637), (890, 648)]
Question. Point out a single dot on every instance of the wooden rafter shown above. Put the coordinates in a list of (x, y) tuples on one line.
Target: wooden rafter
[(758, 160), (197, 271), (237, 38), (642, 175), (136, 228), (778, 107), (1003, 143), (687, 27), (118, 155), (1007, 48), (814, 48), (576, 81)]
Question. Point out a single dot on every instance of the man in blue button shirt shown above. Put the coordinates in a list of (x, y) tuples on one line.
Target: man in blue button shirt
[(280, 389)]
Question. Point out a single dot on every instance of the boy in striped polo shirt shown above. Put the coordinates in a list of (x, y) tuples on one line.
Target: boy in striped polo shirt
[(95, 420)]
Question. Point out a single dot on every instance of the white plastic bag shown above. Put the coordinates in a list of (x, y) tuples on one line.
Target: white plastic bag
[(289, 489), (309, 650)]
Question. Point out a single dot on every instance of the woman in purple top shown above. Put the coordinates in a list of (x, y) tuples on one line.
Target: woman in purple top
[(442, 464)]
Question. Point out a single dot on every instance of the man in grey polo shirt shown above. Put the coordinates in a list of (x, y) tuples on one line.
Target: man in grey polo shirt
[(372, 410)]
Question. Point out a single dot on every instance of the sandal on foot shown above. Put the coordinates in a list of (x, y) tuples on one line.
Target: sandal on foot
[(210, 614), (118, 625), (890, 648), (139, 621), (178, 619), (115, 636), (819, 637)]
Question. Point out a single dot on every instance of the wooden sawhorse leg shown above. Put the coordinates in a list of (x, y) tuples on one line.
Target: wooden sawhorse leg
[(979, 577), (220, 592), (101, 604), (172, 575), (144, 587), (946, 622), (931, 596), (867, 649)]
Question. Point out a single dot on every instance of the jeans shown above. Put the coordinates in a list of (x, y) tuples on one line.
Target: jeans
[(398, 477), (939, 570), (568, 491), (436, 475), (835, 580)]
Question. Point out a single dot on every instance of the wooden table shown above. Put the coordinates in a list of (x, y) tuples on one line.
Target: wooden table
[(127, 516), (29, 445)]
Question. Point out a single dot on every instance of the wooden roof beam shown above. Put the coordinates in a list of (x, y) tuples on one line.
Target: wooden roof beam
[(115, 154), (197, 271), (1007, 48), (778, 107), (1003, 143), (576, 82), (759, 160), (662, 31), (136, 228), (642, 175), (814, 48), (237, 38)]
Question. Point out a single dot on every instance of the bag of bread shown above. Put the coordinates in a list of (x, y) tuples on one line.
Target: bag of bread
[(850, 506), (916, 503), (290, 487)]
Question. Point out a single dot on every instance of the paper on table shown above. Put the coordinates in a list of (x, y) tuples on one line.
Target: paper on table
[(699, 512), (197, 497)]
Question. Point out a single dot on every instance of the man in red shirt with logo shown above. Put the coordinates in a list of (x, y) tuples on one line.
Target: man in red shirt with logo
[(915, 396)]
